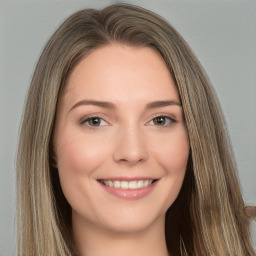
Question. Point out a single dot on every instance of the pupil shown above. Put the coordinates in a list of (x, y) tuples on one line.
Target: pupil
[(94, 121), (159, 120)]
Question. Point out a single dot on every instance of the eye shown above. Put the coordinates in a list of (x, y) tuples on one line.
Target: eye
[(94, 121), (162, 121)]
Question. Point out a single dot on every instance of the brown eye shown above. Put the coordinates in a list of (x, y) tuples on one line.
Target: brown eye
[(94, 121), (160, 120)]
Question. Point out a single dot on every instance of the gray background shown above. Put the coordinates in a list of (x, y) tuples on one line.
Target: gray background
[(222, 33)]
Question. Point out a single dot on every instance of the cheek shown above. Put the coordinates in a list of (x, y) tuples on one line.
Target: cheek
[(77, 160), (172, 156), (173, 152), (79, 155)]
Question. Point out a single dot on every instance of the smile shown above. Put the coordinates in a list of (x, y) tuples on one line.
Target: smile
[(134, 184), (128, 189)]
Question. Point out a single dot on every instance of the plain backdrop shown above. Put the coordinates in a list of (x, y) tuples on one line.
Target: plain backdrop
[(222, 34)]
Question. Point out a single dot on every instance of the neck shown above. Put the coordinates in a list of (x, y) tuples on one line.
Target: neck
[(97, 241)]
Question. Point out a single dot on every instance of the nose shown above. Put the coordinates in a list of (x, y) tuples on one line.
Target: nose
[(131, 147)]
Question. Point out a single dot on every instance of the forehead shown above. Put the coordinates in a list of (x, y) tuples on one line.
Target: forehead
[(119, 73)]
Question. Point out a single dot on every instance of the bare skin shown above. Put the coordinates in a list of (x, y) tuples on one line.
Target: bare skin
[(138, 135)]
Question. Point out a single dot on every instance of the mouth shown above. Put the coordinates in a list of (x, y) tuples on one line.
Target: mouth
[(127, 185), (129, 188)]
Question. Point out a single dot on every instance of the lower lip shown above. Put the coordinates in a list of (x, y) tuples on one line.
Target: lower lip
[(130, 194)]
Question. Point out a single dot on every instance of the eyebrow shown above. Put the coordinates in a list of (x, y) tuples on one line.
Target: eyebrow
[(102, 104), (111, 106), (162, 103)]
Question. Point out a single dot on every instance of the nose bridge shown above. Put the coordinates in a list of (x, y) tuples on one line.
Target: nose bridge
[(131, 147)]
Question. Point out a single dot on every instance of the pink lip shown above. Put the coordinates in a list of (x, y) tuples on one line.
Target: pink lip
[(128, 178), (129, 194)]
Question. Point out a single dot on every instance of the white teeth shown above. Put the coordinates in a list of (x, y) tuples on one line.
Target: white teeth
[(134, 184), (116, 184), (124, 184), (140, 184)]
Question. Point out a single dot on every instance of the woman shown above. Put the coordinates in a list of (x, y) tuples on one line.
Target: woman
[(114, 154)]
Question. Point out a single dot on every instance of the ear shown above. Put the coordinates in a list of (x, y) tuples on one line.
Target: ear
[(250, 211)]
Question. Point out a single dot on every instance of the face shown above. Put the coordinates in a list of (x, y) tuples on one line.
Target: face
[(120, 142)]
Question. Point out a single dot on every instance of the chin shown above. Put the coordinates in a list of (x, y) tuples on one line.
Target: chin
[(133, 224)]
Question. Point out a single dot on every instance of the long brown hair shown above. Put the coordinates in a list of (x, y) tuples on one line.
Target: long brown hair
[(207, 218)]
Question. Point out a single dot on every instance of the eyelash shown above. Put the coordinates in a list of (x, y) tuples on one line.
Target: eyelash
[(87, 119)]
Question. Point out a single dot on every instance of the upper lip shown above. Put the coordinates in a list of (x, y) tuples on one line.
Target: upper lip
[(129, 178)]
